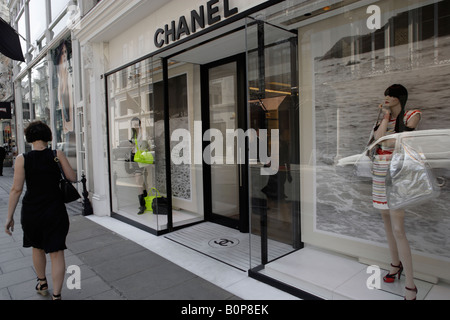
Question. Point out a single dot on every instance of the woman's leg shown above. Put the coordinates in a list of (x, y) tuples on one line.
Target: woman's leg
[(39, 262), (392, 243), (58, 271), (404, 249)]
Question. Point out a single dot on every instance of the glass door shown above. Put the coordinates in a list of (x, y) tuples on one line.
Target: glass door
[(225, 173), (273, 111)]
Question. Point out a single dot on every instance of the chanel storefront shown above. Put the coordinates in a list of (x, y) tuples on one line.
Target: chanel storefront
[(251, 115)]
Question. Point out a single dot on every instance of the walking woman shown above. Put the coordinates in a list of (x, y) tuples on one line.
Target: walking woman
[(44, 218), (396, 119)]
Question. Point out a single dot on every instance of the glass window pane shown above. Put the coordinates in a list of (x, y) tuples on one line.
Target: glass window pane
[(184, 115), (57, 7), (61, 25), (223, 108), (344, 117), (38, 20), (273, 111), (136, 126), (40, 96), (345, 66), (26, 110), (23, 33), (63, 97)]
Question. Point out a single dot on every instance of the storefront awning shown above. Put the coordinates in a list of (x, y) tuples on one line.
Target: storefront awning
[(9, 42)]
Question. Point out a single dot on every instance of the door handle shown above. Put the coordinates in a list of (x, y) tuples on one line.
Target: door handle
[(240, 175), (240, 167)]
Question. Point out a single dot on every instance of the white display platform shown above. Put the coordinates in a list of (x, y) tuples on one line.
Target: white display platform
[(335, 277)]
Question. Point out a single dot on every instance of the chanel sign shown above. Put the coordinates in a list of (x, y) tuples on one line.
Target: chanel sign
[(198, 19)]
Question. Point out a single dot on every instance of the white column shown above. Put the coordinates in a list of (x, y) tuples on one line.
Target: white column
[(97, 130), (20, 142)]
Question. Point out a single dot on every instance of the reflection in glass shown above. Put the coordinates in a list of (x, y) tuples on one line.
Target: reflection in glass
[(63, 97), (344, 116), (26, 110), (37, 13), (134, 121), (137, 119), (40, 93), (21, 26), (223, 116), (57, 7), (273, 105), (184, 114)]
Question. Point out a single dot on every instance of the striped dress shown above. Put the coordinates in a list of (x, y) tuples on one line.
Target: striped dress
[(381, 165)]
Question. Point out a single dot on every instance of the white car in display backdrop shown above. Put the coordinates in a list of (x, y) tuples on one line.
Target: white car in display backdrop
[(433, 145)]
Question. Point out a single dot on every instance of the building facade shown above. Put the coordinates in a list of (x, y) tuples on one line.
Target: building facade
[(47, 85), (6, 97), (244, 114)]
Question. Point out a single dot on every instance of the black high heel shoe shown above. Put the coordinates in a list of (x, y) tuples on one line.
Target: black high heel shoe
[(390, 278), (42, 288)]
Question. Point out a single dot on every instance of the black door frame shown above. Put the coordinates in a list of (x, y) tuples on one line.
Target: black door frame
[(243, 223)]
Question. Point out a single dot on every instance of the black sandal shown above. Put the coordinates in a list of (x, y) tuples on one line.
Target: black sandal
[(42, 289), (56, 297)]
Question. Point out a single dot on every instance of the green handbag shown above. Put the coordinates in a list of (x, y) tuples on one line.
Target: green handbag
[(143, 156)]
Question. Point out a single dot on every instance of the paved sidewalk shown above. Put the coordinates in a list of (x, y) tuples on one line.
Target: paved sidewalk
[(111, 267)]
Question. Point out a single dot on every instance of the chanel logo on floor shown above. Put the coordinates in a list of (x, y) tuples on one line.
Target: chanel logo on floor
[(223, 243)]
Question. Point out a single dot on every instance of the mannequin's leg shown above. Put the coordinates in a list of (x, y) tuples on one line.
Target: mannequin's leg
[(392, 243), (404, 249)]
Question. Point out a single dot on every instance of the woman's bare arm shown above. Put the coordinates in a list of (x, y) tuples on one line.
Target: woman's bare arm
[(68, 171)]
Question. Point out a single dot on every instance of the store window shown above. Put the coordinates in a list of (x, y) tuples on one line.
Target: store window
[(21, 30), (40, 92), (61, 12), (351, 72), (63, 99), (38, 24), (346, 63), (26, 109), (273, 107), (57, 8), (136, 126), (137, 121)]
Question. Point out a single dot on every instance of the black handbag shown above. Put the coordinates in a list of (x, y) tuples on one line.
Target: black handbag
[(68, 191), (160, 206)]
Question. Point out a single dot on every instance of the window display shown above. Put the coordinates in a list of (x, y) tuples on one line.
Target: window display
[(138, 144), (63, 99), (348, 57), (351, 68), (134, 156), (372, 63)]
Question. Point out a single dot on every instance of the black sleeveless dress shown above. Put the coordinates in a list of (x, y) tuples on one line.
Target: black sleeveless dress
[(44, 219)]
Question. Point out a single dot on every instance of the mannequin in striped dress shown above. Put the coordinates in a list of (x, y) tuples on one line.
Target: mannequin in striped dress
[(396, 119)]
